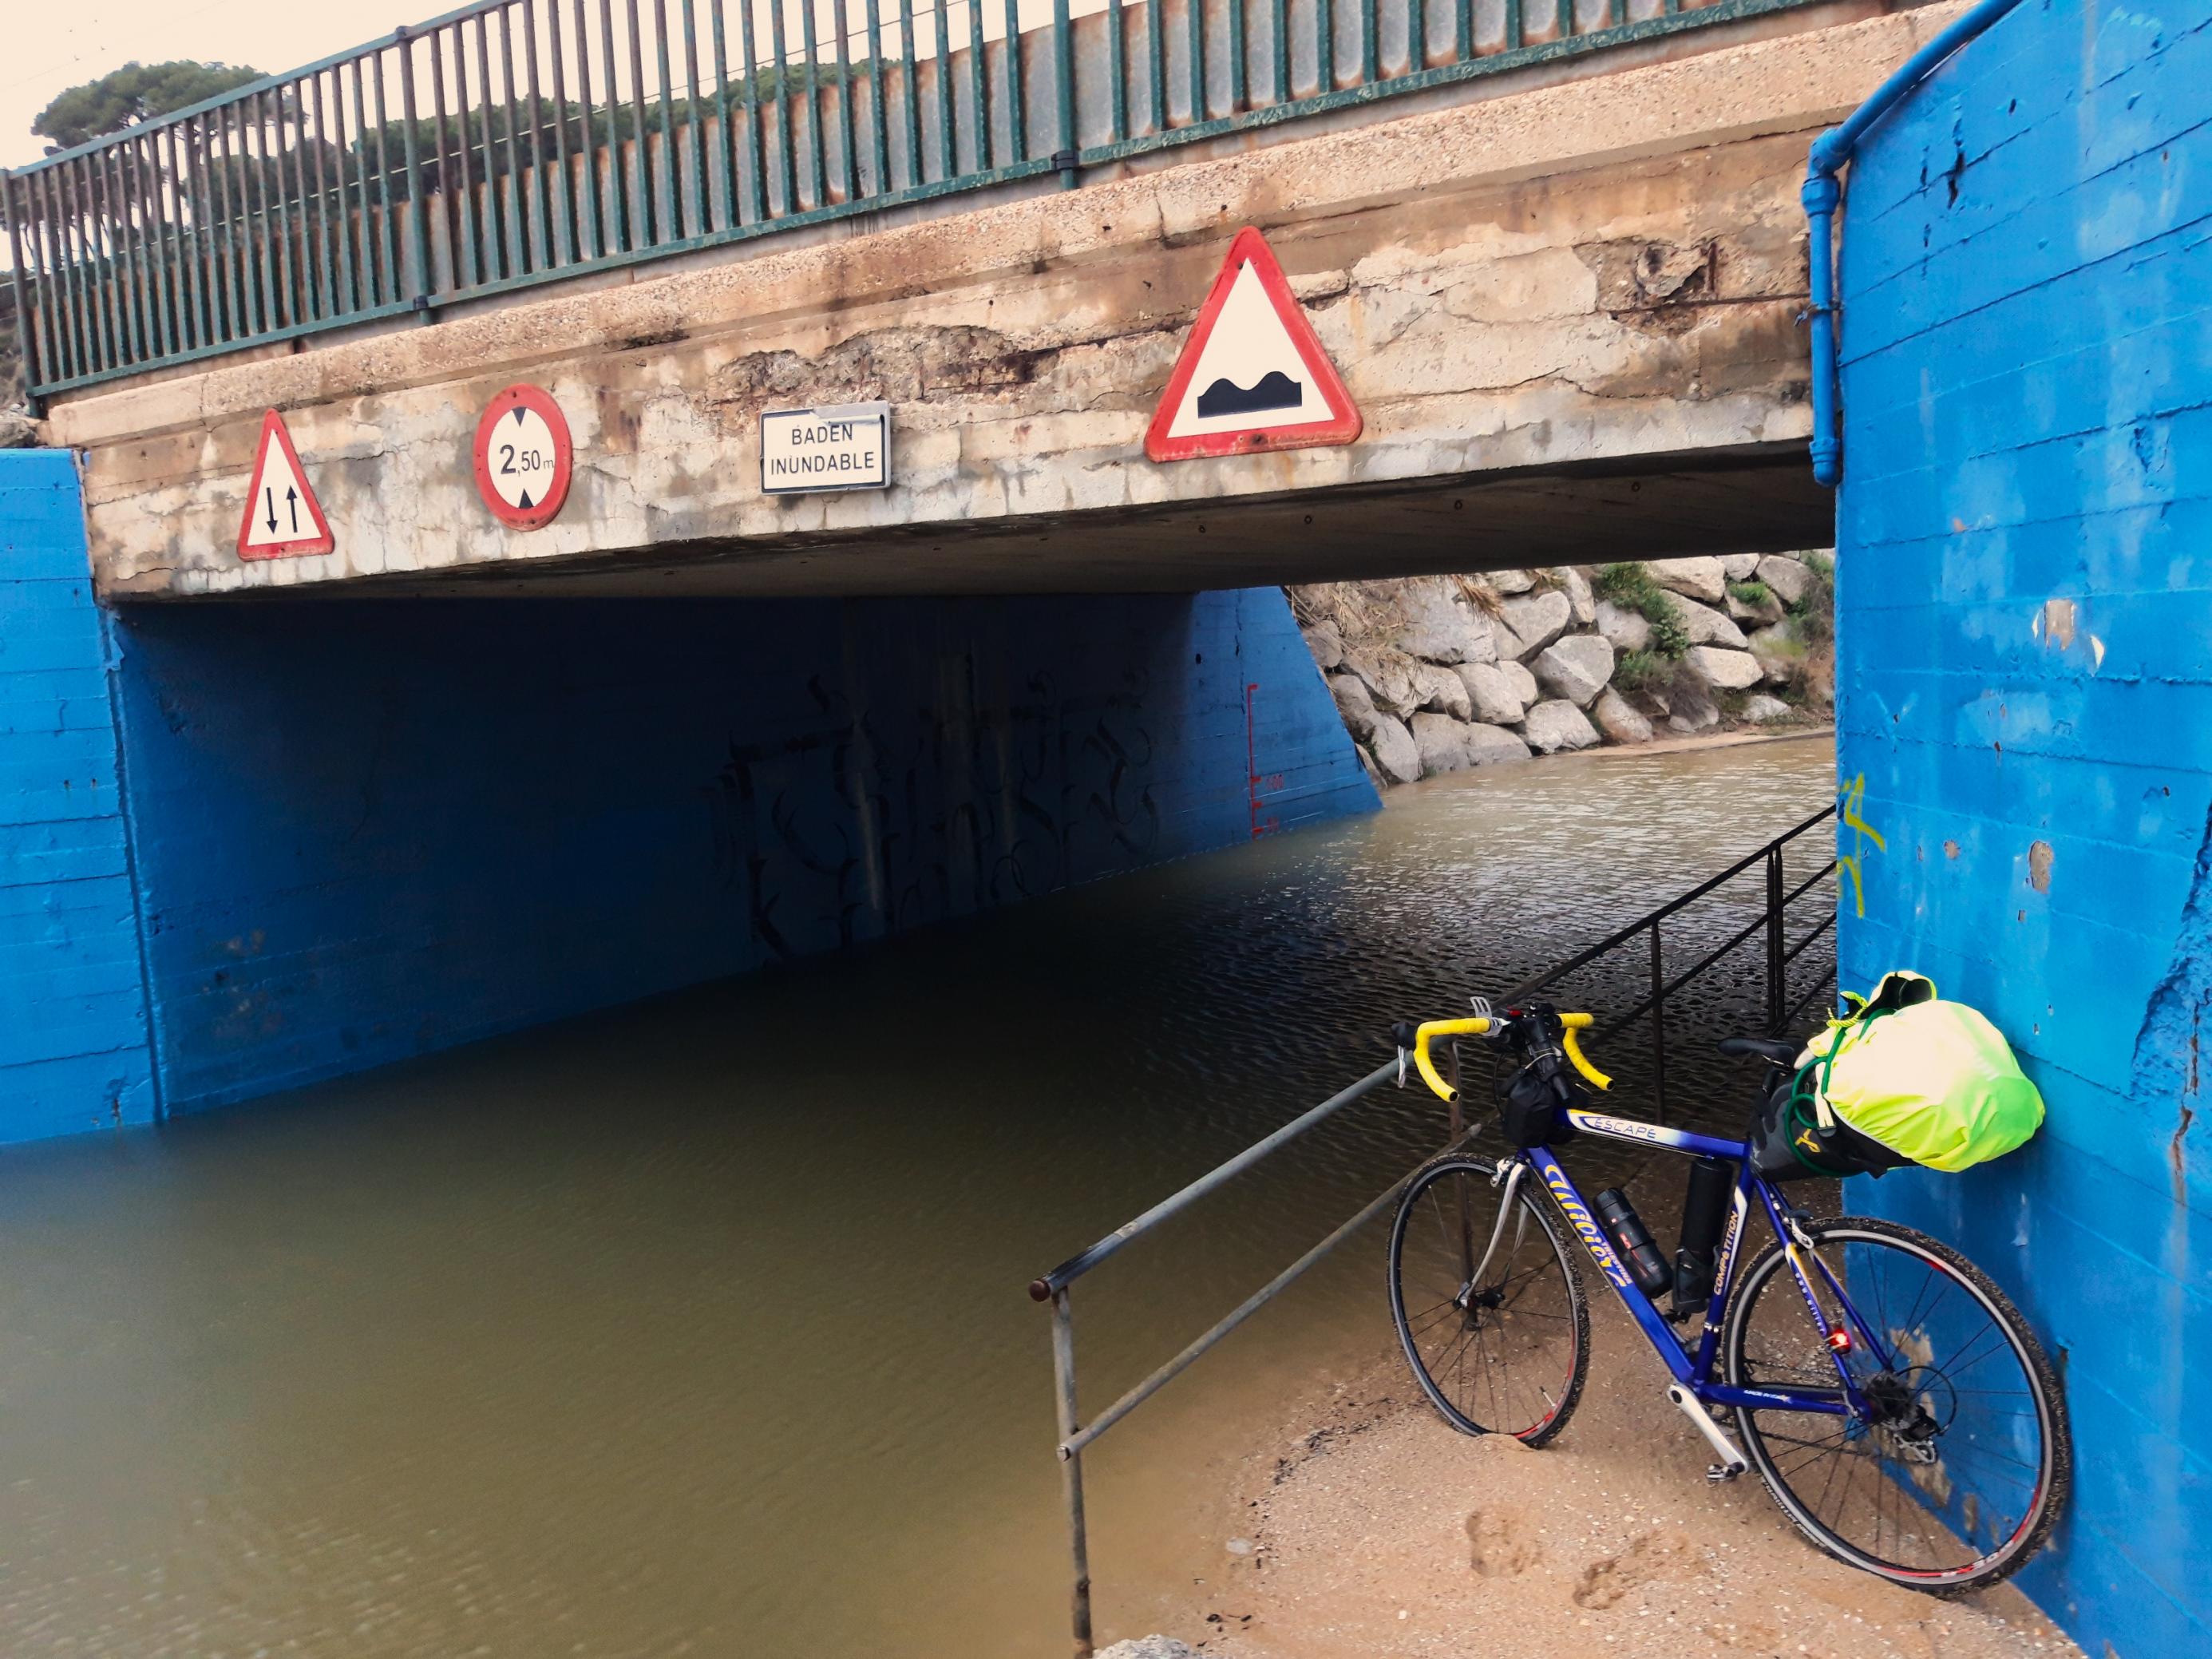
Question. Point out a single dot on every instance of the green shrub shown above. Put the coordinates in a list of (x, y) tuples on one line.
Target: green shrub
[(1631, 587), (1625, 584), (1815, 614), (1751, 592), (1642, 671)]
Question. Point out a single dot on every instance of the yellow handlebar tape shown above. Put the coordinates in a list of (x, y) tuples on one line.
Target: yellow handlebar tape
[(1430, 1030), (1442, 1028)]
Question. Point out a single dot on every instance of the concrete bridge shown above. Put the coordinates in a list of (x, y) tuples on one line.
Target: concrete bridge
[(1566, 296)]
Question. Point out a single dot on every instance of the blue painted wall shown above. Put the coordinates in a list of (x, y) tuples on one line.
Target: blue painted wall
[(2025, 615), (73, 1051), (373, 828)]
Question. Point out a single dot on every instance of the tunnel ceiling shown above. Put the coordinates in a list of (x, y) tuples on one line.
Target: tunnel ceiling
[(1754, 499)]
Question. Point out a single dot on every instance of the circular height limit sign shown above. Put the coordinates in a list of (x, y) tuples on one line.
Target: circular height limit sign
[(523, 458)]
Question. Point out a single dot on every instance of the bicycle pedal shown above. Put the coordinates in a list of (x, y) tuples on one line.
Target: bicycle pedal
[(1719, 1474)]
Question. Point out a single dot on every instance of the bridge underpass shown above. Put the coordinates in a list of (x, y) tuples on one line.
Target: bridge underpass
[(1566, 299), (1574, 306)]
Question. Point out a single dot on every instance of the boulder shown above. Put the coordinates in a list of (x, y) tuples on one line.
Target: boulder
[(1616, 717), (1551, 726), (1787, 579), (1706, 626), (1739, 567), (1325, 644), (1624, 630), (1730, 671), (1576, 667), (1767, 612), (1444, 690), (1148, 1647), (1441, 628), (1780, 652), (1440, 741), (1523, 682), (1536, 620), (1509, 581), (1699, 579), (1690, 708), (1389, 675), (1396, 756), (1582, 603), (1492, 695), (18, 430), (1764, 708), (1353, 702), (1488, 744)]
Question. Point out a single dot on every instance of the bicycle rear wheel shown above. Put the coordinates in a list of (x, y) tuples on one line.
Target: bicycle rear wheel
[(1961, 1472), (1488, 1304)]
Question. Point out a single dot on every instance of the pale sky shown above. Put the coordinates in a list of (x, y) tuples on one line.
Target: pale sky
[(52, 45)]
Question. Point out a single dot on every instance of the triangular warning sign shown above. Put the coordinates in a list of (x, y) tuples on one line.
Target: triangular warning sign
[(282, 513), (1252, 376)]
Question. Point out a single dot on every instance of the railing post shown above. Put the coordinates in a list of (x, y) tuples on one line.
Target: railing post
[(418, 222), (26, 335), (1775, 966), (1063, 57), (1658, 1025), (1071, 1469)]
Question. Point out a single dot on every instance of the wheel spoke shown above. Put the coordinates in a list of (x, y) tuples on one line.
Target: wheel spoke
[(1506, 1355), (1985, 1434)]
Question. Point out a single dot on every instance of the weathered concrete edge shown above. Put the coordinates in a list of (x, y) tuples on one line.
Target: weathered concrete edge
[(1637, 113)]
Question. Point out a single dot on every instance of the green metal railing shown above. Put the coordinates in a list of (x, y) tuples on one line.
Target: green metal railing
[(518, 142)]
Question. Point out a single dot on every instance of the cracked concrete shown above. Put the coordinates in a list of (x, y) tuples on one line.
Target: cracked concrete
[(1603, 273)]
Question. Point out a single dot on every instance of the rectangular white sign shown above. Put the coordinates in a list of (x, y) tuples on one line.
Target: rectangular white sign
[(845, 447)]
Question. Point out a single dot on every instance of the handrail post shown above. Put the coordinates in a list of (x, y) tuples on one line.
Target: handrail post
[(26, 335), (1775, 967), (1071, 1469), (1658, 1025), (418, 222), (1063, 54)]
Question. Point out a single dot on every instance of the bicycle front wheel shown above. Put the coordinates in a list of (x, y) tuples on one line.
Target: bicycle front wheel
[(1487, 1303), (1957, 1471)]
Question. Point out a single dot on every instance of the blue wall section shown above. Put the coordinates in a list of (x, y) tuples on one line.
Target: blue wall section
[(73, 1051), (376, 829), (2025, 571)]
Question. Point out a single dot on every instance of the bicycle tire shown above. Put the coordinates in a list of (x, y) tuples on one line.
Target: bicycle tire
[(2052, 1473), (1538, 1303)]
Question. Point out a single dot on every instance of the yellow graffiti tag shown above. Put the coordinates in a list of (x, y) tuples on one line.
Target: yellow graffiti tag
[(1848, 810)]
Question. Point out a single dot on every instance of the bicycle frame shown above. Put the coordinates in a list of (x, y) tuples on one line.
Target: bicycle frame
[(1695, 1372)]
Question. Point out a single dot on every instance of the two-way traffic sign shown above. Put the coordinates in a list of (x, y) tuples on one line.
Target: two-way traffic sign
[(282, 513)]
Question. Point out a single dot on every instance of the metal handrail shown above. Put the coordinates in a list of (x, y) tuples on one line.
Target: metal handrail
[(1075, 1436), (578, 136)]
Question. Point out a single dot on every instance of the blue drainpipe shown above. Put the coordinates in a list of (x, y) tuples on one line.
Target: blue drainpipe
[(1821, 195)]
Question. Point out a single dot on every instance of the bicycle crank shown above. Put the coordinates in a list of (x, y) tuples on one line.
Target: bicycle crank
[(1732, 1461)]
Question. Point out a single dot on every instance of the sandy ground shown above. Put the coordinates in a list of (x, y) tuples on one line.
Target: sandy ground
[(1372, 1527)]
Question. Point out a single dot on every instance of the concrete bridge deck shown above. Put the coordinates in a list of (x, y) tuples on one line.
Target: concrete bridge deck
[(1569, 312)]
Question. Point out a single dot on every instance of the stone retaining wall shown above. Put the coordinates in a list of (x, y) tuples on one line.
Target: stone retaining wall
[(1435, 674)]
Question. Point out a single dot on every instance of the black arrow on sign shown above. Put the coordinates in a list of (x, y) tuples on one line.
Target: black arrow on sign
[(293, 496), (517, 414), (270, 491), (526, 501)]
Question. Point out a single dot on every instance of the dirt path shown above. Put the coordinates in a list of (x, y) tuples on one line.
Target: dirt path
[(1375, 1529)]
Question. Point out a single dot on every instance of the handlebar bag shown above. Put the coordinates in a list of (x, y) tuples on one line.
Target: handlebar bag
[(1931, 1080)]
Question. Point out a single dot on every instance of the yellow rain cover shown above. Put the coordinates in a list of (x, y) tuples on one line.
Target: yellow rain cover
[(1933, 1081)]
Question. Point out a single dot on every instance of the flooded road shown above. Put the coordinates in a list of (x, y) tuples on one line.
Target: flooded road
[(699, 1326)]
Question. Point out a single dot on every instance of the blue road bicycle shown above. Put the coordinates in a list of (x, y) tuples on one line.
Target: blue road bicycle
[(1895, 1402)]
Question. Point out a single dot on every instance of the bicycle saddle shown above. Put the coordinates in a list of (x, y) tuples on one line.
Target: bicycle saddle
[(1771, 1050)]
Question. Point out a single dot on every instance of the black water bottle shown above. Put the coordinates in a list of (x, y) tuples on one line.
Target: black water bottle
[(1631, 1240), (1705, 1211)]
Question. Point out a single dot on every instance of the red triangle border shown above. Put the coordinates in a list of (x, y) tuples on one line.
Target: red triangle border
[(1344, 423), (272, 426)]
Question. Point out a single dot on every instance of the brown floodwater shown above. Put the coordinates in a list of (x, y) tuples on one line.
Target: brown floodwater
[(699, 1326)]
